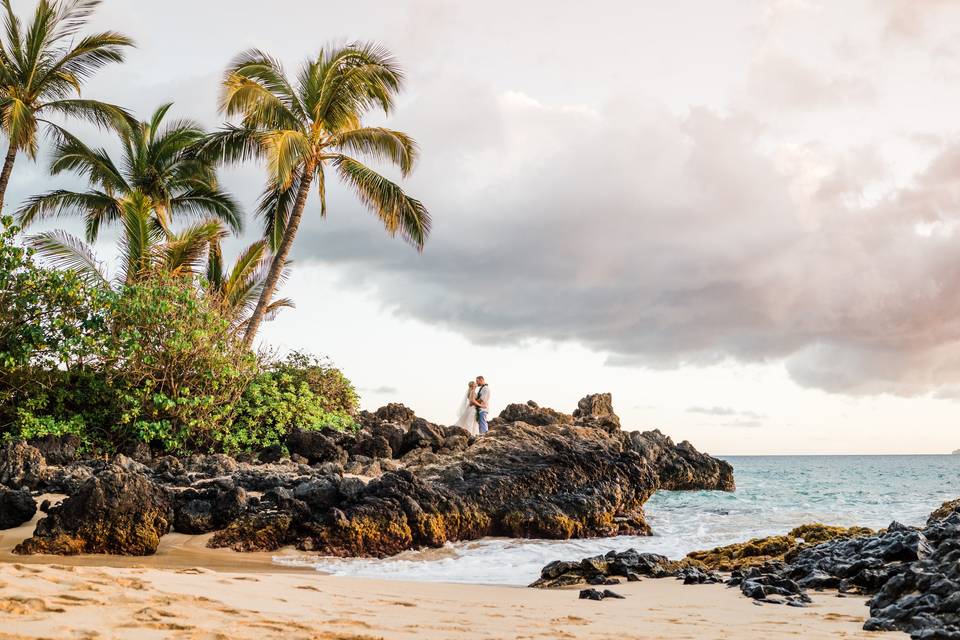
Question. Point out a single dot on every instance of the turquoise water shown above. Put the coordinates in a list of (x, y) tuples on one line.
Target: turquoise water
[(774, 494)]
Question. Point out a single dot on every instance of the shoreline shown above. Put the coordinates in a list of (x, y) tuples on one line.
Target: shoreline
[(189, 591)]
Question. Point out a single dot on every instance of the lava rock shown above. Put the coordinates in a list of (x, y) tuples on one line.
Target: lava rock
[(116, 512), (16, 507), (21, 466)]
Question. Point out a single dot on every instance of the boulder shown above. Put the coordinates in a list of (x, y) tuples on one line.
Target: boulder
[(422, 435), (532, 413), (316, 447), (208, 509), (116, 512), (396, 413), (16, 507), (57, 450), (21, 466), (596, 410)]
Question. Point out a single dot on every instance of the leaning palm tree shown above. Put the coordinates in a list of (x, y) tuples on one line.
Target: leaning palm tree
[(302, 128), (42, 65), (157, 162), (144, 247), (238, 288)]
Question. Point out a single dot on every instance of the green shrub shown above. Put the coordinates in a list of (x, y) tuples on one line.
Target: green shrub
[(154, 361), (334, 391), (282, 399), (177, 367)]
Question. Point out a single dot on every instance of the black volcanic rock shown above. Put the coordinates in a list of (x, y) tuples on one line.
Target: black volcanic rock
[(316, 447), (532, 413), (57, 450), (430, 484), (207, 509), (16, 507), (116, 511), (21, 466), (553, 481)]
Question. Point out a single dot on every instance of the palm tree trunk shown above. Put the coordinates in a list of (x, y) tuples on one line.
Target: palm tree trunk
[(5, 174), (280, 259)]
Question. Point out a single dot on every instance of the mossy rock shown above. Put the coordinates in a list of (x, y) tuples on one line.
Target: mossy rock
[(758, 551)]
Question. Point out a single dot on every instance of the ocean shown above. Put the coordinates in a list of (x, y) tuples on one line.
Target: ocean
[(774, 494)]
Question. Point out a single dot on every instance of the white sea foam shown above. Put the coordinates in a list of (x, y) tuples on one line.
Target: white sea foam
[(774, 495)]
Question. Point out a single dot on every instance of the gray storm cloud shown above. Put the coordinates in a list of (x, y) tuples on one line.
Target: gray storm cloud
[(665, 241)]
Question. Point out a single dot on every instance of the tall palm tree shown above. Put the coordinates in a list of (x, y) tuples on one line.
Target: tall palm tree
[(145, 247), (42, 65), (158, 162), (302, 128)]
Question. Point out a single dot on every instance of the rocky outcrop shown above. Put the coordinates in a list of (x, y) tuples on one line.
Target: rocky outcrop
[(759, 551), (16, 507), (419, 484), (553, 481), (944, 511), (116, 511), (21, 466)]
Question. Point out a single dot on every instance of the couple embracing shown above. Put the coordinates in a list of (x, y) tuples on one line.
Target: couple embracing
[(475, 406)]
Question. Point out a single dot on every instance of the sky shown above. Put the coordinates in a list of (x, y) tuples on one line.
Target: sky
[(738, 217)]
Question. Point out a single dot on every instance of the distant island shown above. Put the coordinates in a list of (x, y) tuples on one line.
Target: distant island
[(956, 452)]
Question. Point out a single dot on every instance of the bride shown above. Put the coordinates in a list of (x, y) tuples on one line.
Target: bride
[(468, 412)]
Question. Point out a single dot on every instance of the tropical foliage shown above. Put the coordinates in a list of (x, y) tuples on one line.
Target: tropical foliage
[(304, 127), (157, 352), (43, 64)]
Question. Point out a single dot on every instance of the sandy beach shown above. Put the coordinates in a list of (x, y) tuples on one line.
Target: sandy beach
[(189, 591), (76, 601)]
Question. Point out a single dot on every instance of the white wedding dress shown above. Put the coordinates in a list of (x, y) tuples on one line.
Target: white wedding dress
[(468, 414)]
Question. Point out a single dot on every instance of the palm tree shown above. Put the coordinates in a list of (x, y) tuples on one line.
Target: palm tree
[(158, 163), (42, 65), (303, 127), (145, 247)]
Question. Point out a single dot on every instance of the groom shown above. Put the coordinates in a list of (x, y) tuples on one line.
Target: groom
[(482, 403)]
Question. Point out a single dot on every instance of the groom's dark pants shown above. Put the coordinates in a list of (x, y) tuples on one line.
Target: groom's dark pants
[(482, 421)]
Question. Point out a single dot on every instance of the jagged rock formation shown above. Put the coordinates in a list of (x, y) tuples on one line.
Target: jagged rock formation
[(21, 466), (117, 511), (421, 485)]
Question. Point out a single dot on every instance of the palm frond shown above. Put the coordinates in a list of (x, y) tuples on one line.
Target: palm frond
[(71, 154), (257, 87), (187, 250), (102, 114), (66, 251), (285, 151), (96, 206), (20, 125), (399, 212), (232, 144), (356, 78), (204, 201), (379, 143), (275, 206)]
